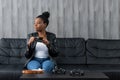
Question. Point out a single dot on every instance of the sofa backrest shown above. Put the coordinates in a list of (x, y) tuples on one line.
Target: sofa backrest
[(12, 51), (103, 51), (71, 51)]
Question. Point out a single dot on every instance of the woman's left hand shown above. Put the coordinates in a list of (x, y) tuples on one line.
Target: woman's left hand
[(45, 41)]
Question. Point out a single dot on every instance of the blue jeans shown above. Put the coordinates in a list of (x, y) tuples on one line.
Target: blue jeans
[(43, 63)]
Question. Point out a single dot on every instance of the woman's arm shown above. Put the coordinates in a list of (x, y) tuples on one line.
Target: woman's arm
[(53, 51), (29, 50)]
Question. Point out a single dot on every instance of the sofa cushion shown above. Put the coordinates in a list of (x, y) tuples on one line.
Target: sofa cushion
[(104, 68), (72, 51), (12, 51), (69, 67), (103, 51), (10, 72)]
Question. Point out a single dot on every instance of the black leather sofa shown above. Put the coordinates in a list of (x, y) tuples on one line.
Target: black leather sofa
[(75, 53), (11, 58)]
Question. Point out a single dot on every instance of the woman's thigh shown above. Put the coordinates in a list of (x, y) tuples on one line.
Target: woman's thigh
[(33, 64), (48, 65)]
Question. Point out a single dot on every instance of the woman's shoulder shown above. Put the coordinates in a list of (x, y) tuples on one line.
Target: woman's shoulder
[(50, 33), (36, 34), (33, 34)]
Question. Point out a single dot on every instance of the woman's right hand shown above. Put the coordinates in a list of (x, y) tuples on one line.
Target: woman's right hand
[(30, 40)]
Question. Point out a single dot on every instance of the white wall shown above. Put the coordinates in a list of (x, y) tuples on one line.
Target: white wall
[(69, 18)]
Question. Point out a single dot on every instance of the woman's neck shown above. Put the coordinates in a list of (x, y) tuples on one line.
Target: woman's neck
[(42, 34)]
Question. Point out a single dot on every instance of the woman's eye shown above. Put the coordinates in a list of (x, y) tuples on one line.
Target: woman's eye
[(40, 23)]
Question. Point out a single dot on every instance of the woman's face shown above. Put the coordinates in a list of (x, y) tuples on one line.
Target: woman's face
[(39, 25)]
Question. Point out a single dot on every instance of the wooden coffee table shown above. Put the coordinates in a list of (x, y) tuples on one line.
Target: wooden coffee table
[(46, 76)]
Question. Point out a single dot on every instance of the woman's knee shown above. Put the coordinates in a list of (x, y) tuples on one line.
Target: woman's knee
[(48, 65), (33, 64)]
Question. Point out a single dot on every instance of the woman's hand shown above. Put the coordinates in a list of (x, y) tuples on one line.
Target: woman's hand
[(30, 40), (45, 41)]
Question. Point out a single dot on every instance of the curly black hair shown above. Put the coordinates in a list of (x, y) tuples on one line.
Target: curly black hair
[(44, 17)]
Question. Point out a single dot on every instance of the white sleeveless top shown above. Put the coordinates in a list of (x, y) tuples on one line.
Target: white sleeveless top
[(41, 50)]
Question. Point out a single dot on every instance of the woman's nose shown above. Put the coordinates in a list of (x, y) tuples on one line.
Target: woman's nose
[(35, 24)]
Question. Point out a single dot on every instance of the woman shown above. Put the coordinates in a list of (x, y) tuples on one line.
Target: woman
[(41, 46)]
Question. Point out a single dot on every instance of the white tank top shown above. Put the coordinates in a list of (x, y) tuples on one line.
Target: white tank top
[(41, 50)]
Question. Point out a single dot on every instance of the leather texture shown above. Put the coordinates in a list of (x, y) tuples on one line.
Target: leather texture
[(10, 71), (74, 53), (12, 51), (51, 47), (71, 51), (103, 51)]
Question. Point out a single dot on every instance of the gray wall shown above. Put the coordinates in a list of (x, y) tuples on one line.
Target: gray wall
[(69, 18)]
